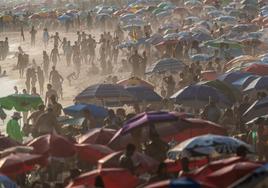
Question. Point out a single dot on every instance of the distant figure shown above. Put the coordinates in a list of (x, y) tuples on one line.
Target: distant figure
[(41, 79), (45, 37), (16, 91), (22, 33), (89, 122), (33, 34), (13, 128), (49, 93), (56, 107), (54, 55), (45, 63)]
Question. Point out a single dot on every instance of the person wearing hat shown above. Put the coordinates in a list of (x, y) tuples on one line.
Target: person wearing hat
[(13, 128)]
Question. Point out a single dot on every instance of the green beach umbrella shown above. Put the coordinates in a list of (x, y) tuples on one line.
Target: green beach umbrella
[(21, 102)]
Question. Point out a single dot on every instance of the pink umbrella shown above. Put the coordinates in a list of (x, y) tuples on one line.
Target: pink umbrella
[(52, 144), (91, 153), (97, 136), (146, 163), (112, 178)]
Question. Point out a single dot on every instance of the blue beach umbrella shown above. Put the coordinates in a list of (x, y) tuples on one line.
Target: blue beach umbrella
[(257, 109), (145, 94), (260, 83), (233, 76), (163, 65), (198, 96), (77, 110)]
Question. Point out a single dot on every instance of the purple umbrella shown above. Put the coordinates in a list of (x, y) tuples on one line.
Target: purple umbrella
[(147, 118)]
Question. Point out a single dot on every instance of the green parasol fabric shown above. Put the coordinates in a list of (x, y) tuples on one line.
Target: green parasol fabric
[(229, 91), (21, 102)]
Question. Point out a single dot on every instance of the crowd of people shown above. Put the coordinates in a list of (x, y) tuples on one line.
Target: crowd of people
[(99, 46)]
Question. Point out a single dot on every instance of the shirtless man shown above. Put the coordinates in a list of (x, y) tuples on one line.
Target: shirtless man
[(49, 93), (55, 56)]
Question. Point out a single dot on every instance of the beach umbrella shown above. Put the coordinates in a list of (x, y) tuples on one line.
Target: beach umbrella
[(245, 28), (6, 142), (258, 69), (255, 178), (127, 17), (243, 82), (78, 109), (260, 83), (35, 16), (155, 39), (91, 153), (135, 21), (71, 6), (147, 118), (201, 37), (197, 96), (207, 145), (20, 163), (144, 94), (103, 16), (164, 14), (6, 182), (135, 81), (105, 94), (232, 93), (232, 173), (96, 136), (257, 109), (64, 18), (201, 173), (227, 19), (169, 130), (221, 42), (147, 163), (187, 128), (243, 59), (52, 144), (200, 57), (165, 65), (112, 178), (21, 102), (233, 76), (215, 13), (171, 36), (183, 182)]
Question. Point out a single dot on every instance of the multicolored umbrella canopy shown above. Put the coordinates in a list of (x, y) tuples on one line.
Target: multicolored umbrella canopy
[(135, 81), (144, 94), (232, 93), (21, 102), (218, 43), (165, 65), (207, 145), (198, 96), (107, 94), (260, 83), (257, 109)]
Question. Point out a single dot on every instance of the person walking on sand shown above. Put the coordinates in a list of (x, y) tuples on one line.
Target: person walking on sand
[(56, 79), (68, 53), (45, 37), (21, 65), (41, 79), (22, 33), (28, 79), (13, 128), (33, 34), (55, 56), (49, 93), (45, 63)]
